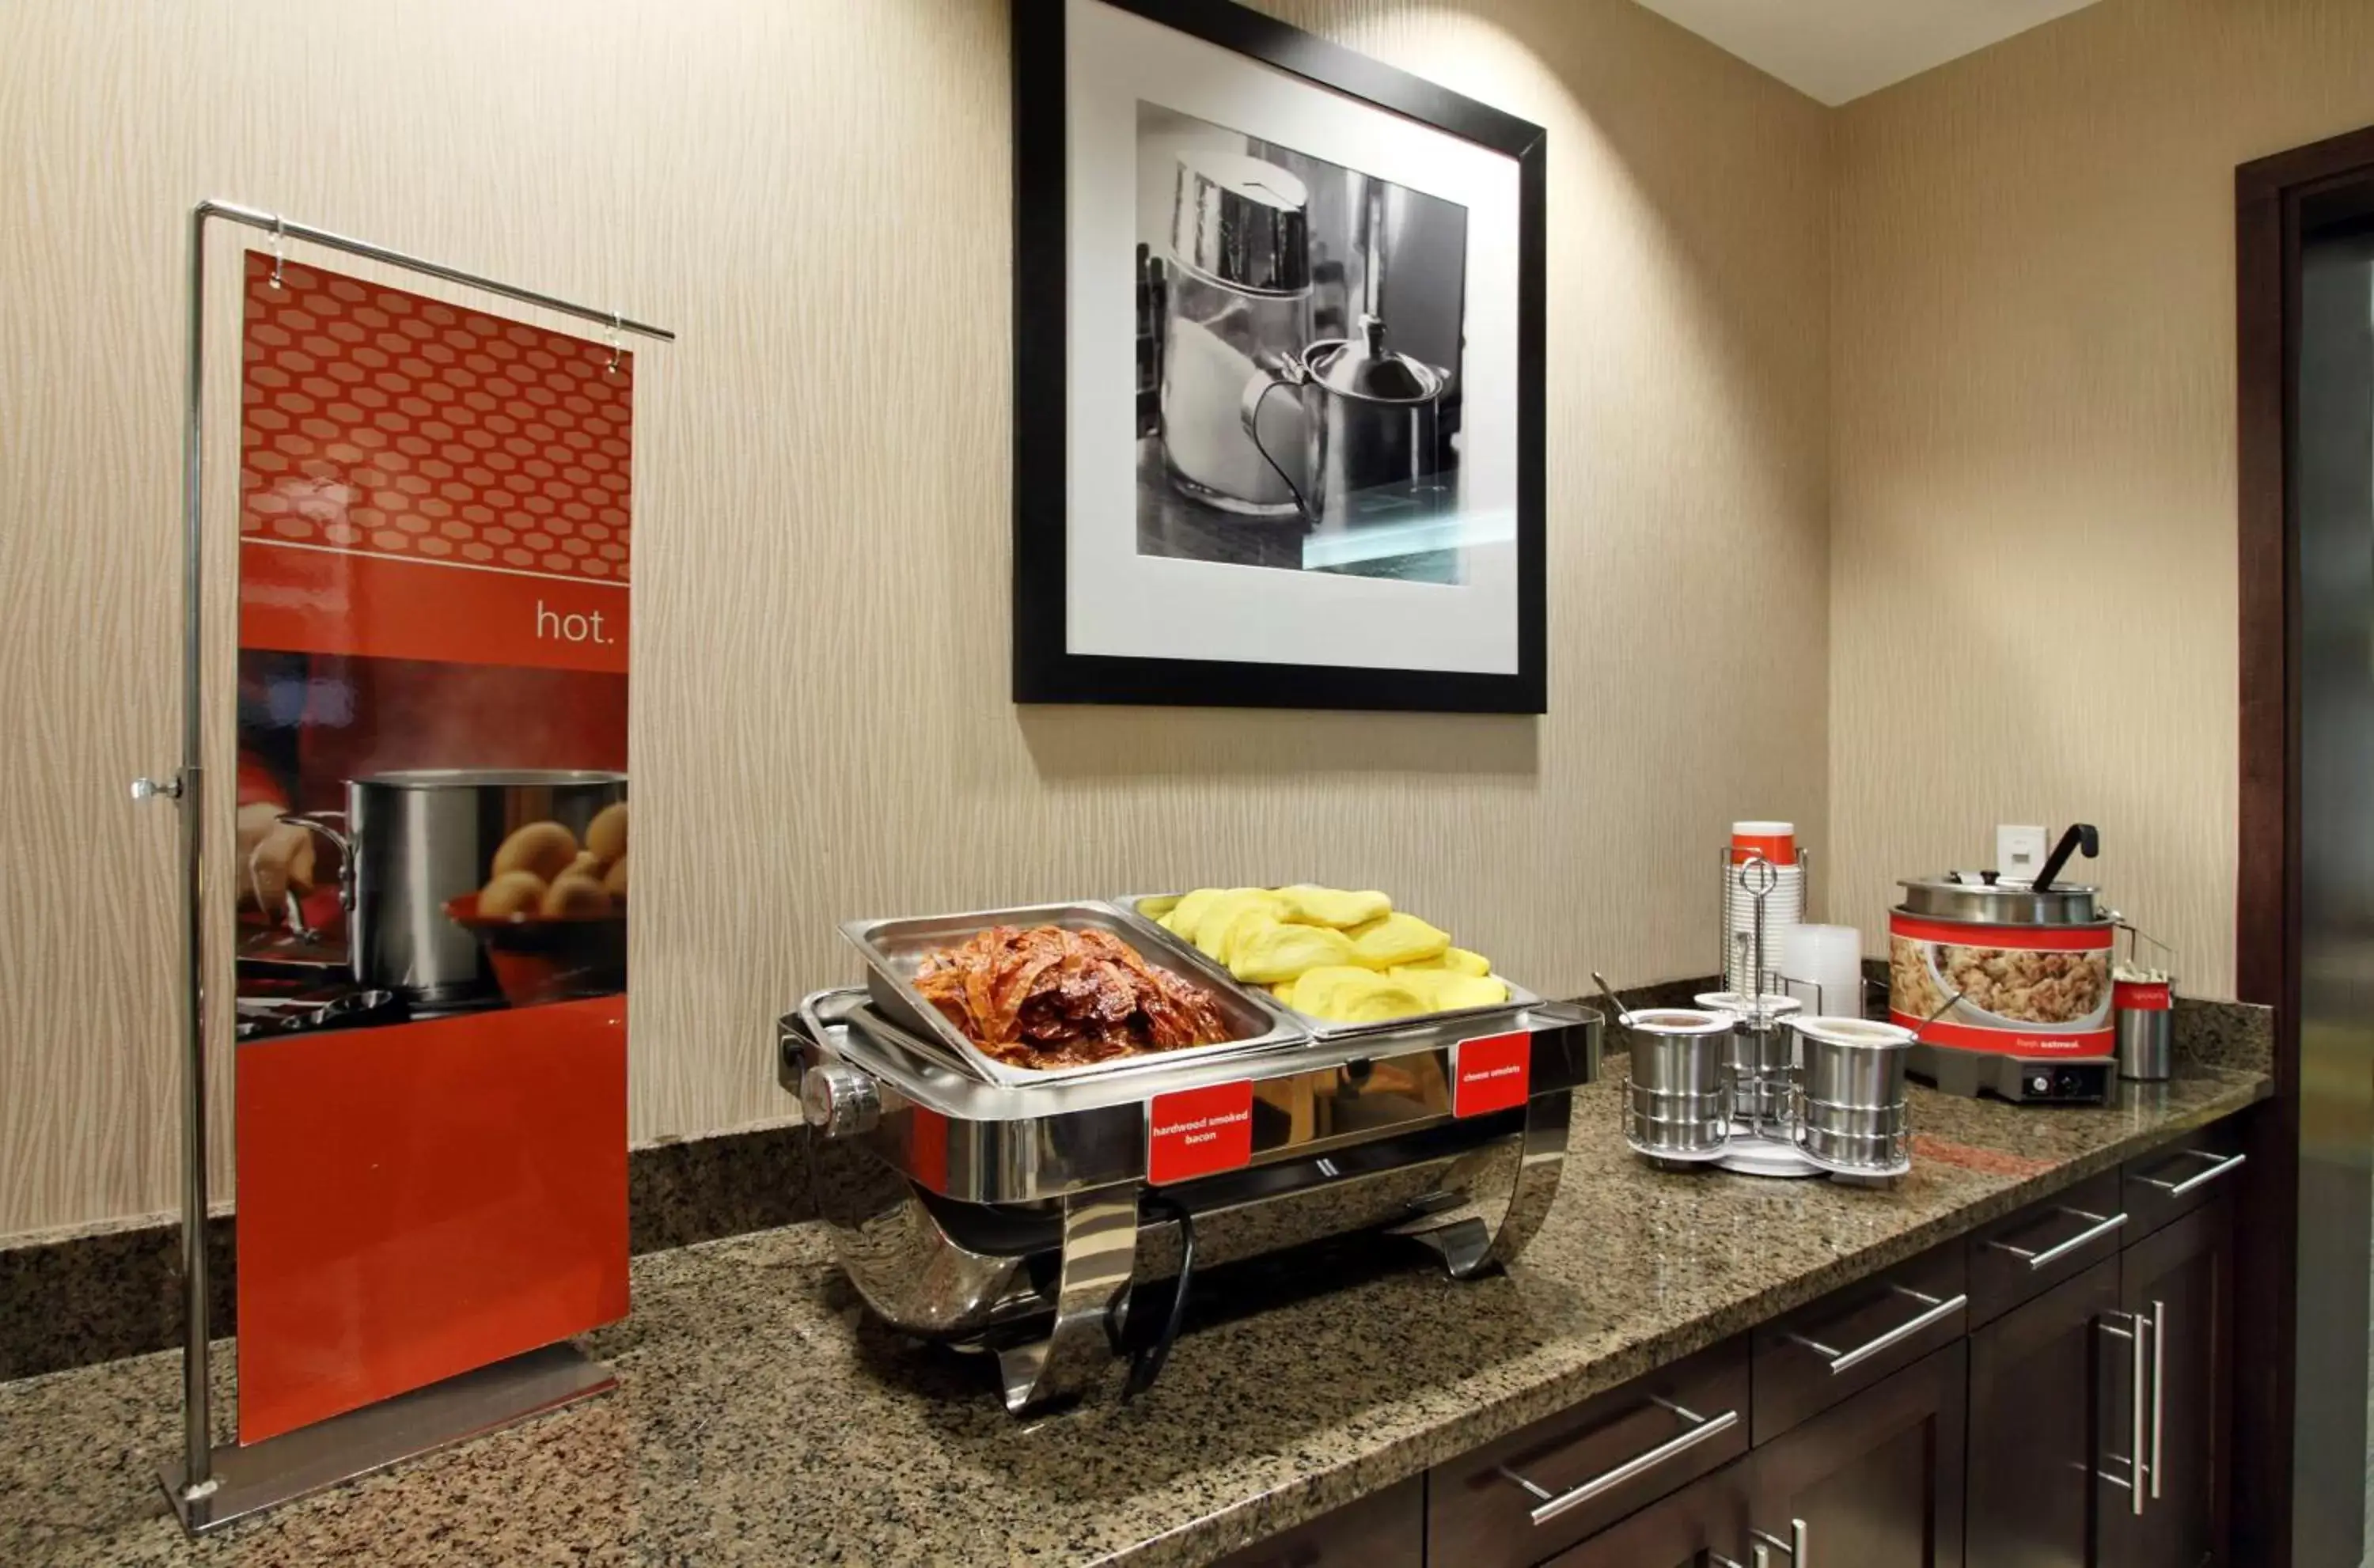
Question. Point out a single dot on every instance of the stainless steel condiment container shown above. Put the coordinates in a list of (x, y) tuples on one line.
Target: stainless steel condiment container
[(1679, 1097), (2143, 1018), (1852, 1113), (1761, 1055)]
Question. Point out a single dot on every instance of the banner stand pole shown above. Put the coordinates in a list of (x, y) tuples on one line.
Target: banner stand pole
[(211, 1486)]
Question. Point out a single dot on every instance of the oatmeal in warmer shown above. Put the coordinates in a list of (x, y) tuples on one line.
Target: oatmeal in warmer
[(2028, 986)]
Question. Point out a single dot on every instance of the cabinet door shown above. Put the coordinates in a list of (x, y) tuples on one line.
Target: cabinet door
[(1876, 1481), (2179, 1283), (1702, 1526), (2046, 1388)]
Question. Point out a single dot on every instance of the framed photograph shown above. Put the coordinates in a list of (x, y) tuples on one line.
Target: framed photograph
[(1278, 428)]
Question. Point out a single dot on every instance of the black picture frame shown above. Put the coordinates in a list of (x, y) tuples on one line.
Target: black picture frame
[(1045, 671)]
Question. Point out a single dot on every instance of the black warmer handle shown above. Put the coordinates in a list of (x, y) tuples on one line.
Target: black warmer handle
[(2080, 837)]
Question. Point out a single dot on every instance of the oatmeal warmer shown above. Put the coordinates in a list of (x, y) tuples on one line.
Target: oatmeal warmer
[(2008, 985)]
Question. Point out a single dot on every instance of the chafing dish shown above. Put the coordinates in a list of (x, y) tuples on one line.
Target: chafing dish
[(1015, 1218), (893, 949), (1144, 911)]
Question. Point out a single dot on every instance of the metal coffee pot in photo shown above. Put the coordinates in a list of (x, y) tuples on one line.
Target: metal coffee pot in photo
[(1371, 429)]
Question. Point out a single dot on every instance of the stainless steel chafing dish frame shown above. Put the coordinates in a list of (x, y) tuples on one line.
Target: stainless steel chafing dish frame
[(893, 948), (1131, 905), (1013, 1219)]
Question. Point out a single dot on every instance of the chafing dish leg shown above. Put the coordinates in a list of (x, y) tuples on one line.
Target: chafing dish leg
[(1509, 1185), (1092, 1304)]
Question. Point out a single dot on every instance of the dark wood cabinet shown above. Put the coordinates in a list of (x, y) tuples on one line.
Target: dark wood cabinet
[(1515, 1502), (2178, 1287), (2034, 1395), (1702, 1525), (1876, 1480), (2048, 1392)]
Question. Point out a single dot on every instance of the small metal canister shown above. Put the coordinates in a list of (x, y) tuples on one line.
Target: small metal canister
[(1761, 1053), (1679, 1105), (1852, 1119), (2142, 1005)]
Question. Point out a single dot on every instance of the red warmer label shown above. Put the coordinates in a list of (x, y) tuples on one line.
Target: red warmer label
[(1491, 1072), (2012, 1041), (1199, 1132)]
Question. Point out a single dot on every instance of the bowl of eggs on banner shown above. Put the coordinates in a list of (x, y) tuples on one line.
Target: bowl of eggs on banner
[(552, 915)]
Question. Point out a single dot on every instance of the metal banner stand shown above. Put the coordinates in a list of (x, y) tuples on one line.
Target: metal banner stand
[(210, 1486)]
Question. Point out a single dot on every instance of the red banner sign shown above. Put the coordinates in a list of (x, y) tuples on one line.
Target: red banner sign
[(429, 870), (1199, 1132), (1491, 1072)]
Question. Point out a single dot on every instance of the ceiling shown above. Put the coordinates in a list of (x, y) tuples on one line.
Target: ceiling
[(1836, 50)]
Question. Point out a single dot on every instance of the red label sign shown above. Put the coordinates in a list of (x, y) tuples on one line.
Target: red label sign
[(2016, 1042), (1199, 1132), (1491, 1072), (2141, 995)]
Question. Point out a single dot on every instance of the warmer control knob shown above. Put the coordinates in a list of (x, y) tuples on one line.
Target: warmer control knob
[(838, 1100)]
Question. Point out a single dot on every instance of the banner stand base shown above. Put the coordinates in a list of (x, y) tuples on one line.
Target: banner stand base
[(250, 1479)]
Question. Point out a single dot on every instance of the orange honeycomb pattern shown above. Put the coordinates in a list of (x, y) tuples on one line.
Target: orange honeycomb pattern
[(379, 422)]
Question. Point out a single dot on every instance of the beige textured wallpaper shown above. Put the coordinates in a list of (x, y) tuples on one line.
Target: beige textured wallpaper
[(2032, 570), (814, 196)]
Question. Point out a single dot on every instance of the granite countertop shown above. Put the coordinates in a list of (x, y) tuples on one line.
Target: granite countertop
[(762, 1417)]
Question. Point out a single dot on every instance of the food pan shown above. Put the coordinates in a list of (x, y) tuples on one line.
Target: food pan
[(1144, 908), (895, 949)]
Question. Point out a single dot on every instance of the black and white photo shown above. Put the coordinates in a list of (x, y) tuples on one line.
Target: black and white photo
[(1278, 403), (1301, 324)]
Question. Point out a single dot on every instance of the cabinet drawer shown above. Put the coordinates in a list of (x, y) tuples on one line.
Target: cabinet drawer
[(2174, 1181), (1387, 1531), (2018, 1258), (1536, 1492), (1853, 1338)]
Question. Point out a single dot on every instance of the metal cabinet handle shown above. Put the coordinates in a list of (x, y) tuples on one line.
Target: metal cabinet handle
[(1766, 1545), (2140, 1366), (2160, 1381), (2179, 1188), (1842, 1361), (1701, 1429), (2059, 1250)]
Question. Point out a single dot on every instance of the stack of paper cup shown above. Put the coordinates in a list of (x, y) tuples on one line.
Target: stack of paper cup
[(1784, 904), (1822, 966)]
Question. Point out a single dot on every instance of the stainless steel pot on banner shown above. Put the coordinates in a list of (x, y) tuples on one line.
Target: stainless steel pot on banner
[(410, 840)]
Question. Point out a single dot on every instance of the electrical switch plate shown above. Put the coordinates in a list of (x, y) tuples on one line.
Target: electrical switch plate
[(2019, 852)]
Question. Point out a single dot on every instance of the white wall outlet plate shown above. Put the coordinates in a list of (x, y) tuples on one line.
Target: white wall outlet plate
[(2019, 852)]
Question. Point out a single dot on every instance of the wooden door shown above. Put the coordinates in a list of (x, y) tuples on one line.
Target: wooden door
[(2046, 1387), (1875, 1480), (2180, 1279)]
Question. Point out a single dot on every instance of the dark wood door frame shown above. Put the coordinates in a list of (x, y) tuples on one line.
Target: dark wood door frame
[(2269, 198)]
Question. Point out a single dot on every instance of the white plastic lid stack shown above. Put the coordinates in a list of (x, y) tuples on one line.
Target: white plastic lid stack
[(1822, 966)]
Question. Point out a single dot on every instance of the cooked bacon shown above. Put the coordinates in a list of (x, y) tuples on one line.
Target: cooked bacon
[(1045, 996)]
